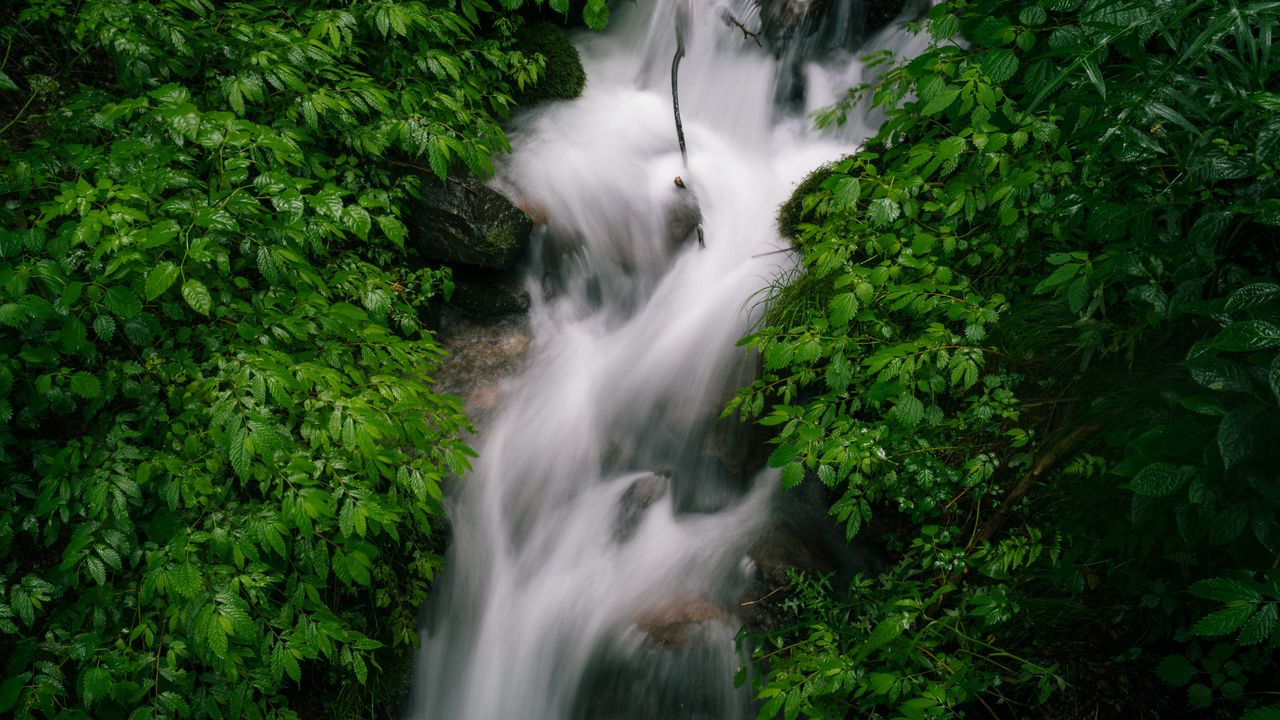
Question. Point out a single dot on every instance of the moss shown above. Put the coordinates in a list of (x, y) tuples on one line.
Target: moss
[(792, 212), (564, 78)]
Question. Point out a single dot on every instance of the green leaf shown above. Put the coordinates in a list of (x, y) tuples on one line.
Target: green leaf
[(1032, 15), (909, 410), (1224, 590), (842, 309), (238, 450), (197, 296), (123, 302), (884, 211), (1000, 65), (941, 101), (7, 83), (1237, 435), (11, 690), (392, 228), (1175, 670), (357, 220), (884, 633), (85, 385), (847, 192), (792, 475), (1260, 627), (1251, 296), (1200, 696), (1267, 713), (1248, 336), (1224, 621), (596, 14), (944, 27), (1273, 377), (1160, 479), (160, 278), (97, 685)]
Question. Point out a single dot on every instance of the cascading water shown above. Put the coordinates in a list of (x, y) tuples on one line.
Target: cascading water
[(601, 541)]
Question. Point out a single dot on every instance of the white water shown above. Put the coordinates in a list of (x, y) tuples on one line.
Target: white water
[(548, 609)]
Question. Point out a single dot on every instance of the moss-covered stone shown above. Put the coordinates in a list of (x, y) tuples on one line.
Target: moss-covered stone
[(792, 213), (564, 78)]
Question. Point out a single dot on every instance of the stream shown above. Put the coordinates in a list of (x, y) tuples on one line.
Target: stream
[(604, 538)]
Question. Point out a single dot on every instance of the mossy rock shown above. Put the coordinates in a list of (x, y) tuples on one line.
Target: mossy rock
[(564, 78), (792, 213)]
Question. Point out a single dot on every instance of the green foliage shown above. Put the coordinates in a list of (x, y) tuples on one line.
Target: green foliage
[(1064, 240), (564, 78), (221, 449)]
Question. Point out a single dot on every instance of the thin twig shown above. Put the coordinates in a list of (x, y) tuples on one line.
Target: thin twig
[(729, 19)]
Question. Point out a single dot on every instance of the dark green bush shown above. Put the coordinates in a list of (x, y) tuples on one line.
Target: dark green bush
[(1090, 496), (220, 449), (564, 77)]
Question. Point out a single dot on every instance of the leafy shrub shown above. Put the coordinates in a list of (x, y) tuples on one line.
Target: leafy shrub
[(220, 446), (564, 78), (1057, 267)]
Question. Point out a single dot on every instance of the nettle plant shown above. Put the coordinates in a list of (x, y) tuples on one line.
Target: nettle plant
[(220, 445), (1065, 196)]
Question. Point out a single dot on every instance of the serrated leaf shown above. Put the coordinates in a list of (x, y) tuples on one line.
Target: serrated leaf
[(1175, 670), (238, 451), (122, 302), (1224, 621), (197, 296), (1000, 65), (1224, 590), (944, 27), (1260, 627), (96, 685), (884, 211), (85, 385), (1200, 696), (1032, 15), (1267, 713), (392, 228), (792, 475), (842, 309), (909, 410)]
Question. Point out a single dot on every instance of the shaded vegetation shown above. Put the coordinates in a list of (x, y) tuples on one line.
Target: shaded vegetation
[(220, 449), (1039, 327)]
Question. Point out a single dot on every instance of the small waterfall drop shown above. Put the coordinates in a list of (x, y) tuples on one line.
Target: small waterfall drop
[(601, 541)]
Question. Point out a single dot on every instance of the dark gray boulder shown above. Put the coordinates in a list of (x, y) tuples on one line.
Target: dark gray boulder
[(643, 492), (463, 222)]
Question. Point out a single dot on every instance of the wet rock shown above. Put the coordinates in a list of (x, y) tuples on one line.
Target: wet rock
[(675, 622), (643, 492), (482, 295), (463, 222), (481, 356), (683, 216)]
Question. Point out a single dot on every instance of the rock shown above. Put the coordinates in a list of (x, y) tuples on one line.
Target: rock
[(674, 622), (463, 222), (485, 295), (643, 492), (481, 356), (683, 216)]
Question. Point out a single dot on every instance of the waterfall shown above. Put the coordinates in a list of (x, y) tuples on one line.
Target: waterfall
[(602, 540)]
